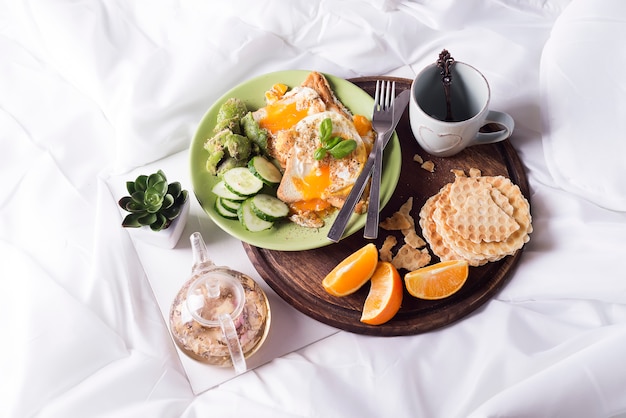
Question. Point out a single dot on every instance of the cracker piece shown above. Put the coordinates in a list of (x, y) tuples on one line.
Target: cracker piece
[(474, 172), (396, 222), (385, 251), (474, 215), (412, 239), (407, 206), (401, 219), (410, 259), (458, 173), (410, 235), (418, 159), (514, 195), (429, 230), (428, 166), (450, 239), (405, 210), (502, 201)]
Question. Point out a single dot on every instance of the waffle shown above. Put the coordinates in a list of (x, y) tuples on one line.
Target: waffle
[(473, 213), (478, 218)]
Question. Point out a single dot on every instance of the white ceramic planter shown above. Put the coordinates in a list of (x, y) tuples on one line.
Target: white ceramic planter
[(166, 238)]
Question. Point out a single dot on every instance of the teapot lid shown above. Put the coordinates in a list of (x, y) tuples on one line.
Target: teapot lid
[(213, 294)]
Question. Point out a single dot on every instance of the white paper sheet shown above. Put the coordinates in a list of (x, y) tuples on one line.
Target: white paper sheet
[(167, 270)]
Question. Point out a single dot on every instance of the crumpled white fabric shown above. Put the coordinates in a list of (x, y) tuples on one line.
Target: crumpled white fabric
[(153, 71), (584, 101), (87, 87)]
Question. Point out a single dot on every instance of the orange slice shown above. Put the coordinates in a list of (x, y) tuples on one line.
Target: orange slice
[(385, 296), (437, 281), (353, 272)]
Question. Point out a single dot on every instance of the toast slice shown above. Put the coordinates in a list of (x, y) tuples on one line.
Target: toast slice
[(319, 83), (294, 150)]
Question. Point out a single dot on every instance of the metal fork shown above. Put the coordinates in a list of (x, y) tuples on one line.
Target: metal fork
[(341, 221), (381, 122)]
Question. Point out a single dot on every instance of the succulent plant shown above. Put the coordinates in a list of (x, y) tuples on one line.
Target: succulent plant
[(152, 202)]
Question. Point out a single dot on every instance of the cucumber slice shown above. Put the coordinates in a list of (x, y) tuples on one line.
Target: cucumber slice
[(230, 205), (242, 182), (269, 208), (226, 213), (222, 191), (265, 170), (249, 220)]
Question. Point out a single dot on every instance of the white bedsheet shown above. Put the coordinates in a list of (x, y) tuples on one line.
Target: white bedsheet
[(95, 89)]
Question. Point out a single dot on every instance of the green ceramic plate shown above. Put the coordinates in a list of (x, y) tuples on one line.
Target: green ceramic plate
[(285, 235)]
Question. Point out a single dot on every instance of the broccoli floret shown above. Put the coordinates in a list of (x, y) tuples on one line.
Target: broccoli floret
[(226, 145), (229, 163), (253, 131), (216, 142), (216, 149), (213, 161), (229, 115), (238, 146)]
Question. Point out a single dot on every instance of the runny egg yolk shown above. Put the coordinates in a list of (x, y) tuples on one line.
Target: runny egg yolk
[(312, 186), (362, 124), (282, 116)]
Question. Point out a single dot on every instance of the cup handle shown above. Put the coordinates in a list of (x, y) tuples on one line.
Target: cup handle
[(232, 340), (500, 118)]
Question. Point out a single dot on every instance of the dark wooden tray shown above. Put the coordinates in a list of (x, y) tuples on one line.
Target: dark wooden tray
[(297, 275)]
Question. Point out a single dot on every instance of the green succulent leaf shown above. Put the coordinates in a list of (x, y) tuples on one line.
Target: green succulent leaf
[(156, 178), (168, 201), (174, 189), (131, 221), (160, 187), (135, 207), (147, 219), (123, 202), (172, 212), (138, 197), (153, 197), (160, 223), (130, 186), (141, 182), (152, 209)]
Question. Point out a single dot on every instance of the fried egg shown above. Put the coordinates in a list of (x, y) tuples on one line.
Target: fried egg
[(285, 109), (292, 120), (310, 185)]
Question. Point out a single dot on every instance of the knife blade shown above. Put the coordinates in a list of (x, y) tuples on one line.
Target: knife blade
[(338, 227)]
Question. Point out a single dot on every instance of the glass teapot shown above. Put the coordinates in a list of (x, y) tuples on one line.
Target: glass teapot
[(220, 316)]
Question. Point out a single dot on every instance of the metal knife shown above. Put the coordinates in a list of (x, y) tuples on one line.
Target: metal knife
[(338, 227)]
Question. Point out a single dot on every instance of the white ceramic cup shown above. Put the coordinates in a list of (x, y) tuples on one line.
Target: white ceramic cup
[(470, 95)]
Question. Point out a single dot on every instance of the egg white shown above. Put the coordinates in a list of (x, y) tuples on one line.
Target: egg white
[(301, 162), (304, 100)]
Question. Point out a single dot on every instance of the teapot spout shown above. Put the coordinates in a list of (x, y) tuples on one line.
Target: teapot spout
[(201, 260)]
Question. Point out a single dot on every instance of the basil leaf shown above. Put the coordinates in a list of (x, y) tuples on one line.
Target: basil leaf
[(331, 142), (343, 148), (319, 153), (326, 130)]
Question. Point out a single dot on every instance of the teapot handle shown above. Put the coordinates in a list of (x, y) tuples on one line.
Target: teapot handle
[(232, 340)]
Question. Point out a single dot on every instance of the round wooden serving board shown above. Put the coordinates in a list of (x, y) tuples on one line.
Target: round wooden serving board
[(297, 275)]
